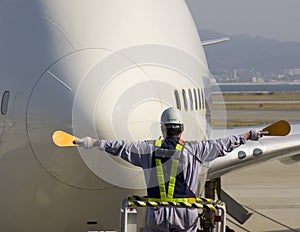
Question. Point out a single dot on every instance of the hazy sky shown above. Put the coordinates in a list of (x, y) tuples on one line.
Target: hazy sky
[(277, 19)]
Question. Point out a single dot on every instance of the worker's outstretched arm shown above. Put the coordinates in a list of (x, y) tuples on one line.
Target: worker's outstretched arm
[(210, 149), (135, 153)]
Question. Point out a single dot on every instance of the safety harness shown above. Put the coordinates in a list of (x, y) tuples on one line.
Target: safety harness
[(168, 195)]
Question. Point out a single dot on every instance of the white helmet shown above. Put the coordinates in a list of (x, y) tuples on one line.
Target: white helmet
[(171, 116)]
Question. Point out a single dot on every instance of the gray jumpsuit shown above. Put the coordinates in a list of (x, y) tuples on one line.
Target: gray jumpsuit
[(194, 153)]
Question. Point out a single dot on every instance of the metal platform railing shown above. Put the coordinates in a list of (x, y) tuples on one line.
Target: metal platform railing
[(128, 214)]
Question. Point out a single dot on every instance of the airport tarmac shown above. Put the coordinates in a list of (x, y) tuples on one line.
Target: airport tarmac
[(271, 191)]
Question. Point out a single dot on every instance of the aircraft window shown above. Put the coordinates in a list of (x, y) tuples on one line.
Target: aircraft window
[(203, 99), (207, 99), (196, 99), (200, 99), (185, 100), (4, 102), (177, 99), (191, 99)]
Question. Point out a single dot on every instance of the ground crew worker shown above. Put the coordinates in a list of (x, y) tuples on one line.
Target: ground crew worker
[(170, 167)]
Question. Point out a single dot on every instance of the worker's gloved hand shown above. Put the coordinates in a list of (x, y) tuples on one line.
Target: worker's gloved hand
[(86, 142), (255, 135)]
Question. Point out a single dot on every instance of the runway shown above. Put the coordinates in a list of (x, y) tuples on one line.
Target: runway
[(270, 191)]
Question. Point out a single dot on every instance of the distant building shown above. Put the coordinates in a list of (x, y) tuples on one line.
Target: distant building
[(258, 80), (235, 77), (294, 72)]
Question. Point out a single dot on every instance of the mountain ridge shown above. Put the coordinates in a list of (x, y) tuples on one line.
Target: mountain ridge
[(255, 53)]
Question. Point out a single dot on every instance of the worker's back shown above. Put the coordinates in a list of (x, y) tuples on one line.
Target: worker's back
[(177, 162), (172, 179)]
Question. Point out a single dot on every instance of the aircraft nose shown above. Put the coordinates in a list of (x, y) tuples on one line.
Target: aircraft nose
[(128, 109), (145, 115)]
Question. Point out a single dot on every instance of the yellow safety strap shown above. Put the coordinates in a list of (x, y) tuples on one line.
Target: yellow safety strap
[(158, 143), (172, 182), (178, 147), (161, 180)]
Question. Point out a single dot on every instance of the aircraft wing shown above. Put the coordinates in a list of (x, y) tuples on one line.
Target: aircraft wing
[(286, 148)]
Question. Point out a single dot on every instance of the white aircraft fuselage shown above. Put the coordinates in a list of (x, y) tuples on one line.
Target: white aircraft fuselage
[(99, 68)]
